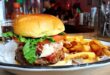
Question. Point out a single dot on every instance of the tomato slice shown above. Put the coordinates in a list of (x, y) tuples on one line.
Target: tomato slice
[(15, 39), (51, 58), (58, 37)]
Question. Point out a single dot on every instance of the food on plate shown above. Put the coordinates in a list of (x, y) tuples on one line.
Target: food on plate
[(40, 39), (85, 57), (88, 51)]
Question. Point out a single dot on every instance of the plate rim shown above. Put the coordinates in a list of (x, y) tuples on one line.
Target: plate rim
[(55, 68)]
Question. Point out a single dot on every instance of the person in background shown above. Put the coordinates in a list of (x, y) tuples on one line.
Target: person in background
[(68, 14), (49, 7)]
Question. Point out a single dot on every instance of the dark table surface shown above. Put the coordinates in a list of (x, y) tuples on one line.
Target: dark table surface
[(78, 29)]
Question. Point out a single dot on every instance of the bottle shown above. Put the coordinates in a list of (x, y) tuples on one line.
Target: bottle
[(77, 16), (16, 13)]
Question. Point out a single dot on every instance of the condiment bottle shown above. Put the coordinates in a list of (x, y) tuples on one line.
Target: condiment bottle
[(16, 13)]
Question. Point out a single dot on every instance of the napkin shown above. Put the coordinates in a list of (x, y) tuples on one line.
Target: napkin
[(7, 52)]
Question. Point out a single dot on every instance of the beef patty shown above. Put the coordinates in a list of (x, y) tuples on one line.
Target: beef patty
[(59, 55)]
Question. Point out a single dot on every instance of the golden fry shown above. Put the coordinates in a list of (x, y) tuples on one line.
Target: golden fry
[(88, 50), (97, 47), (106, 50), (84, 55), (65, 50), (77, 48), (74, 38)]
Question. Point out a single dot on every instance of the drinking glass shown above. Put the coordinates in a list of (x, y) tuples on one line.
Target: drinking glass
[(6, 26)]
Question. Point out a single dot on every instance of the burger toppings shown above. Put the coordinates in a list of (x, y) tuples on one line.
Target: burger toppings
[(48, 49), (29, 52), (39, 39), (35, 48)]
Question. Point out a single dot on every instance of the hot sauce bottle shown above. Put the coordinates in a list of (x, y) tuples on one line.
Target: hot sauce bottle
[(16, 13)]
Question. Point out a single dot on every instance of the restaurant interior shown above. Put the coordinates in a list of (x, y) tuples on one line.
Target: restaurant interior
[(77, 15), (88, 18)]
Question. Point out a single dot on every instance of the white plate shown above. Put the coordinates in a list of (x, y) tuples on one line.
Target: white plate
[(29, 69)]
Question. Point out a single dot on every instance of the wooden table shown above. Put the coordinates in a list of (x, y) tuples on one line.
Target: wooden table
[(3, 72)]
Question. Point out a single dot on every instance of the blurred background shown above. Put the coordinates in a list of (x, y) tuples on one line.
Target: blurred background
[(77, 15)]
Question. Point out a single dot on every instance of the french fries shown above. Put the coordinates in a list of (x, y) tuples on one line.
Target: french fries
[(84, 55), (77, 47), (96, 47), (74, 38)]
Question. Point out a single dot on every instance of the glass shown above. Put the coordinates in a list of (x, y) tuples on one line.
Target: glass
[(6, 27), (104, 20), (31, 6), (26, 7), (2, 10)]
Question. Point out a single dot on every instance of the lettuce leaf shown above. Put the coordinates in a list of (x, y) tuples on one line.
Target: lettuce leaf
[(29, 49), (62, 33), (29, 52), (8, 34)]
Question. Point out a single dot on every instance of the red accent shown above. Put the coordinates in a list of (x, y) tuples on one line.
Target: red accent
[(40, 46), (58, 37), (51, 57)]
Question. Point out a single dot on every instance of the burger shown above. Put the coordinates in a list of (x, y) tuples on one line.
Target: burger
[(40, 39)]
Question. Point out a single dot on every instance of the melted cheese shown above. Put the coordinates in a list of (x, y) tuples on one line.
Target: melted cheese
[(48, 49)]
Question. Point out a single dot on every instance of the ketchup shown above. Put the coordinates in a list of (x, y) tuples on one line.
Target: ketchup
[(16, 13)]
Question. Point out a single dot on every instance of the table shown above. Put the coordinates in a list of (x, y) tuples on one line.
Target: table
[(78, 28), (3, 72)]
